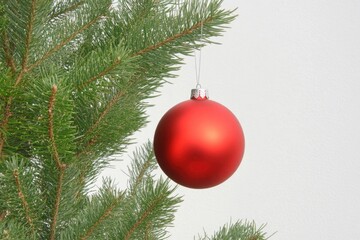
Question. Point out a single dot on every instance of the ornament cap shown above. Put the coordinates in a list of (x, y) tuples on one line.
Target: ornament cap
[(199, 94)]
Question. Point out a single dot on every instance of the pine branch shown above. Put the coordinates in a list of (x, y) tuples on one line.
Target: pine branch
[(98, 214), (145, 214), (64, 42), (92, 141), (174, 37), (60, 166), (67, 10), (146, 50), (24, 202), (143, 171), (7, 114), (20, 199), (152, 200), (107, 109), (100, 74), (8, 55), (27, 43), (102, 218)]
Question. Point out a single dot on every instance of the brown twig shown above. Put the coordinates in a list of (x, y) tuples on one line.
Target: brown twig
[(51, 127), (4, 125), (60, 166), (57, 203), (23, 201), (2, 216)]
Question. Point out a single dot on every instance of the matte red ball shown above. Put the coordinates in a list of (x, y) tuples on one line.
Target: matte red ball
[(199, 143)]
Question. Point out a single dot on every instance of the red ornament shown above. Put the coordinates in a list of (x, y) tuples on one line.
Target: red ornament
[(199, 143)]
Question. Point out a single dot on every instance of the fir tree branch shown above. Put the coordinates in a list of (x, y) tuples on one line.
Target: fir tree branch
[(8, 55), (23, 201), (60, 166), (63, 43), (107, 109), (102, 218), (147, 49), (174, 37), (4, 124), (101, 74), (20, 76), (144, 168), (27, 43), (92, 141), (68, 9), (143, 217)]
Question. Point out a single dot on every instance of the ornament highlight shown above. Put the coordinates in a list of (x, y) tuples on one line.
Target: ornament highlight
[(199, 143)]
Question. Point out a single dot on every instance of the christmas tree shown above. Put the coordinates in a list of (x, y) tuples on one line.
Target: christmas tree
[(74, 77)]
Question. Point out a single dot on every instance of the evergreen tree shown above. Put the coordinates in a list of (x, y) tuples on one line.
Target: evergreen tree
[(74, 75)]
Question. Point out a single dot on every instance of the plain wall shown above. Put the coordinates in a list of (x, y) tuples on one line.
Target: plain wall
[(290, 71)]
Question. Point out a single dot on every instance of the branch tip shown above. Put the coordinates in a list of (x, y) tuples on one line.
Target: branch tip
[(54, 88)]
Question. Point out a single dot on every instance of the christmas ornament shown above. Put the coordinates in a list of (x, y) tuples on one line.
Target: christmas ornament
[(199, 143)]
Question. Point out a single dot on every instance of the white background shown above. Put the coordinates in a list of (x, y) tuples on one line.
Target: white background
[(290, 71)]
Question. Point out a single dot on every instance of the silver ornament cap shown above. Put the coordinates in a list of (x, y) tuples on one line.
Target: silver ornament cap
[(199, 94)]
